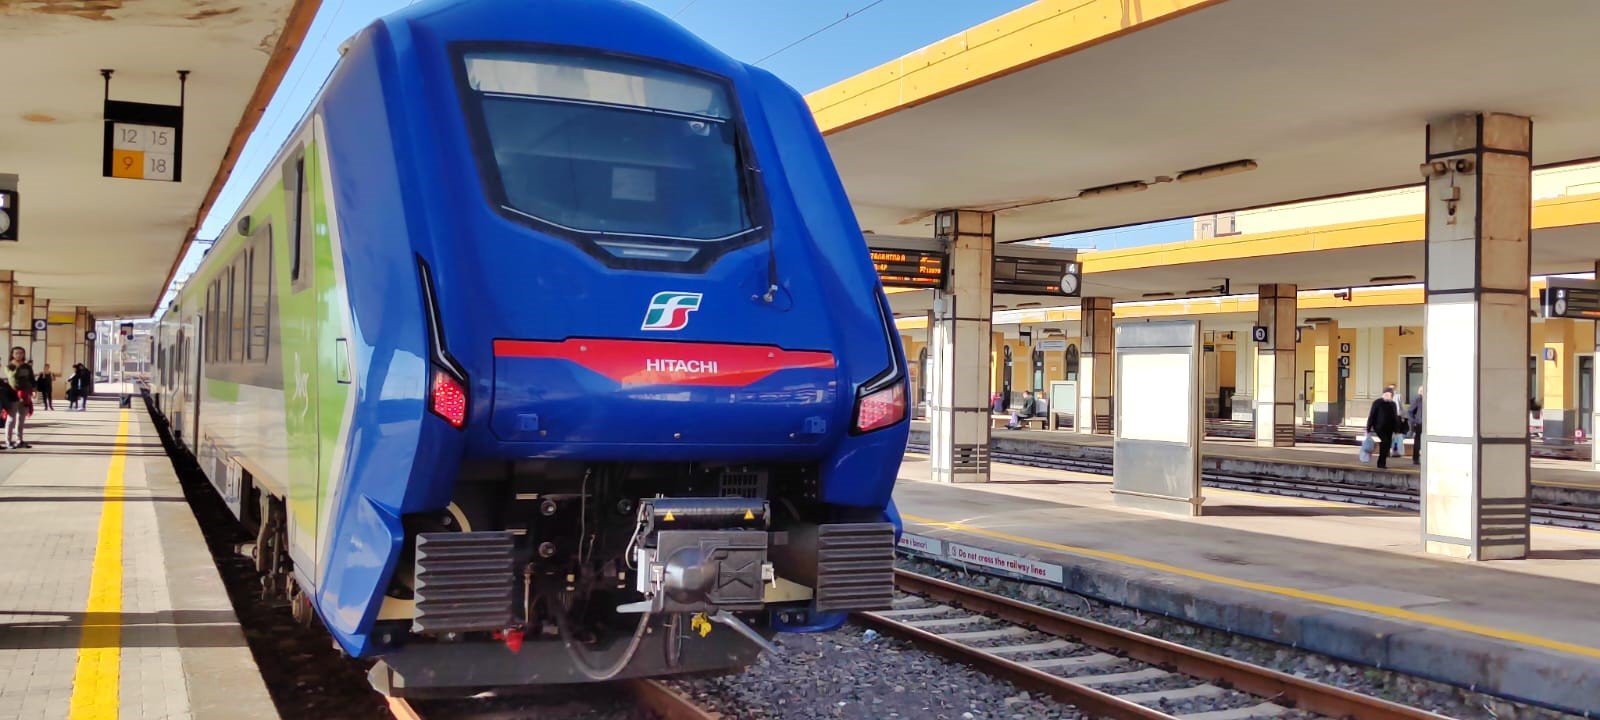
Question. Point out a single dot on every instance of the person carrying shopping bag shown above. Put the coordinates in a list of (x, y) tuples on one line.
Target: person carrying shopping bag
[(1382, 421)]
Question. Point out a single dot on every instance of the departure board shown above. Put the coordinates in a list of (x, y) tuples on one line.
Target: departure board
[(1036, 276), (1581, 301), (909, 268)]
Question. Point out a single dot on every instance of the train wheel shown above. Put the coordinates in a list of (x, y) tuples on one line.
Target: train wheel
[(300, 606)]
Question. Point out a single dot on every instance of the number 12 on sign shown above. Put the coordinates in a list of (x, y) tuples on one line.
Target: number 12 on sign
[(143, 152)]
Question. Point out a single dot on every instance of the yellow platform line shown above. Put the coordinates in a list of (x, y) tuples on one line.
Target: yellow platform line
[(1296, 593), (95, 683)]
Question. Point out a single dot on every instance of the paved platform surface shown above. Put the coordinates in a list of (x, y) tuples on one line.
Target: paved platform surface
[(110, 605), (1546, 471), (1348, 581)]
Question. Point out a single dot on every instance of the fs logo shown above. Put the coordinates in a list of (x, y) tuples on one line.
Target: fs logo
[(670, 310)]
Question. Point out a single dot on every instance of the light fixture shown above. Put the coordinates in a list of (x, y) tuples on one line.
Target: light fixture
[(1216, 171), (1115, 189), (1030, 305), (1345, 294), (1156, 295), (1392, 278)]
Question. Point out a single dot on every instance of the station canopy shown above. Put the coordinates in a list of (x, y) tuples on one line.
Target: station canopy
[(105, 213), (1068, 116)]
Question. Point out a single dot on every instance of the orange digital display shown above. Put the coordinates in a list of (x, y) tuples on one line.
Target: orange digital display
[(909, 268)]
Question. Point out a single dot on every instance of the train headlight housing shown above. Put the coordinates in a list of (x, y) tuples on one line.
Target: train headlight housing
[(881, 409), (448, 399)]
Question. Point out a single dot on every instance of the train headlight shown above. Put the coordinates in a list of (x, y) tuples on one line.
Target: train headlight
[(449, 399), (882, 408)]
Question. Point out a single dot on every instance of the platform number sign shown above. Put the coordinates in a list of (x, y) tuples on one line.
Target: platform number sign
[(143, 141), (144, 152), (1258, 333)]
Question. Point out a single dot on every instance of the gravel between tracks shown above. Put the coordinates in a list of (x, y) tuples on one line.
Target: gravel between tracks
[(1425, 694), (854, 674)]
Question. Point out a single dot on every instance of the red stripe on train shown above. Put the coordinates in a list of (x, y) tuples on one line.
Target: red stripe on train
[(654, 362)]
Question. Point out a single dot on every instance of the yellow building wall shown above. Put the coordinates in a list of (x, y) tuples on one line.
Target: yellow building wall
[(1396, 347)]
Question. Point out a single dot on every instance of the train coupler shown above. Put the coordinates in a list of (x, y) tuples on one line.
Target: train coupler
[(701, 555)]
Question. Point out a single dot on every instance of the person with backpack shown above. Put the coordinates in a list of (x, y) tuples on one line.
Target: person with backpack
[(19, 373)]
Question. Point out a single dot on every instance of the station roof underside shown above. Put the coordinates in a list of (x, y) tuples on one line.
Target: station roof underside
[(1027, 110), (110, 243)]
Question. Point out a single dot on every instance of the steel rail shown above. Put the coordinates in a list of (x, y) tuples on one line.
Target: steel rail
[(653, 695), (1272, 685)]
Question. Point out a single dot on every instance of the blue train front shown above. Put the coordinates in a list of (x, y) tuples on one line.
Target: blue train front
[(663, 403)]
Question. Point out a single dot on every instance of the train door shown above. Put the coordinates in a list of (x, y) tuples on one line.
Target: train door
[(1586, 394), (299, 342), (1005, 381), (196, 382)]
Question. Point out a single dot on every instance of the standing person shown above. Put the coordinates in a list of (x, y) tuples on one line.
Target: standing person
[(19, 372), (47, 382), (1381, 421), (1416, 427), (80, 382)]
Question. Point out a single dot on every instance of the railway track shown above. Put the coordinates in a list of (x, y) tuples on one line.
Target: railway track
[(1555, 515), (1104, 670), (650, 696)]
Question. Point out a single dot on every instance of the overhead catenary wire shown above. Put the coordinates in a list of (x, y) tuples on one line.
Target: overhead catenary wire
[(819, 31)]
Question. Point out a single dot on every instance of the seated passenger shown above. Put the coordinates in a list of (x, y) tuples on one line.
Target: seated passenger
[(1029, 407)]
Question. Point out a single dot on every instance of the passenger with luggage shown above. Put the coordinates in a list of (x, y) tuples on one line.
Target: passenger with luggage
[(1383, 421)]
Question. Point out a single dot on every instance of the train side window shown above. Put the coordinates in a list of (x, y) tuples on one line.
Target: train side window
[(229, 330), (241, 304), (260, 295), (297, 205)]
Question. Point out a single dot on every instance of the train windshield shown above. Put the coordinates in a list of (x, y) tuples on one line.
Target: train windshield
[(613, 148)]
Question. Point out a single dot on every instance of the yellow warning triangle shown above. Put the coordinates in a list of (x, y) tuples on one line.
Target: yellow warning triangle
[(668, 518), (749, 515)]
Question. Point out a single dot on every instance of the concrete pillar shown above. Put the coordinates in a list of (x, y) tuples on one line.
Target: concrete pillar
[(1095, 367), (1277, 308), (1327, 408), (6, 285), (38, 345), (1558, 358), (21, 318), (1594, 389), (959, 350), (1475, 467), (81, 325), (1244, 383), (1210, 378), (1366, 373)]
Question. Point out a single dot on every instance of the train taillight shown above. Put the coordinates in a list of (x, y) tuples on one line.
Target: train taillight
[(882, 408), (449, 399)]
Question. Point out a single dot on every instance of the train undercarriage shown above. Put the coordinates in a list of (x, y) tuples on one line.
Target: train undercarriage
[(555, 572)]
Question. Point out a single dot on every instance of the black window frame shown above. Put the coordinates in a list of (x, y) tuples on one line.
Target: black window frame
[(757, 206)]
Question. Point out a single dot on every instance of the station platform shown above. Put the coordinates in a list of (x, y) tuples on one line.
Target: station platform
[(1347, 581), (110, 603), (1556, 482)]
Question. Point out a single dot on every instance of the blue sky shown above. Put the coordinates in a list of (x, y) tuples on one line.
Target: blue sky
[(750, 30)]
